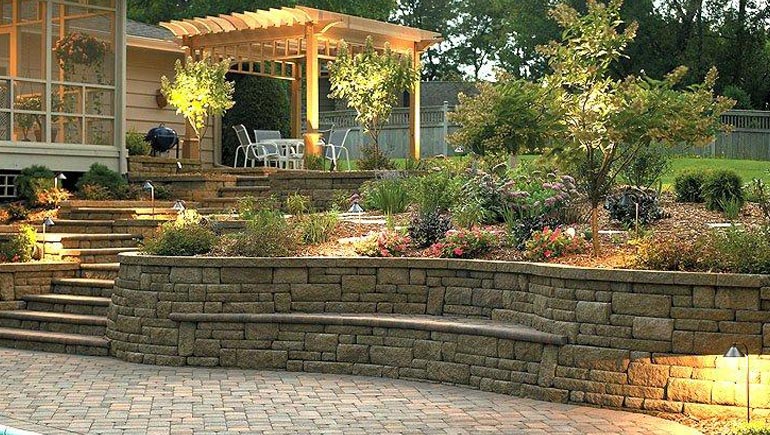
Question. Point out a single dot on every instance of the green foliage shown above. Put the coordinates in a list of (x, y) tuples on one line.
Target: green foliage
[(100, 175), (136, 145), (741, 97), (93, 192), (21, 247), (437, 191), (371, 83), (505, 118), (469, 214), (32, 180), (267, 234), (465, 243), (759, 192), (549, 244), (622, 206), (17, 212), (253, 110), (689, 186), (319, 227), (387, 243), (648, 166), (753, 428), (722, 187), (200, 89), (428, 228), (51, 198), (373, 158), (188, 235), (313, 162), (297, 204), (389, 195)]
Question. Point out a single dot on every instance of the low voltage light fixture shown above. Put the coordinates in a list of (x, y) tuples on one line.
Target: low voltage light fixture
[(179, 206), (148, 187), (48, 222), (735, 352), (60, 177)]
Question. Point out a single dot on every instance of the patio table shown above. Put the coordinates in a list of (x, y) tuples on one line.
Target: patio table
[(287, 148)]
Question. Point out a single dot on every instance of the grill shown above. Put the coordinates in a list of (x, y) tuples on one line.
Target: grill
[(162, 139)]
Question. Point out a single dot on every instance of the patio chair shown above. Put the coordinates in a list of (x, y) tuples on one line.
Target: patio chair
[(336, 147), (244, 143), (296, 156), (263, 138)]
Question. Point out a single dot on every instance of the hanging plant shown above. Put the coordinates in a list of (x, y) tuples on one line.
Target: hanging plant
[(79, 48), (28, 121)]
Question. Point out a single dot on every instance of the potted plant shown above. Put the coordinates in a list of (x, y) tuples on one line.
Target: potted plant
[(28, 121), (79, 48)]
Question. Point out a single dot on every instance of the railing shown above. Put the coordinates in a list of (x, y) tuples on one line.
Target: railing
[(748, 120)]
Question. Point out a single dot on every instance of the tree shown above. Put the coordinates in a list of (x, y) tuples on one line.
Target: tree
[(200, 89), (371, 83), (605, 120), (505, 118)]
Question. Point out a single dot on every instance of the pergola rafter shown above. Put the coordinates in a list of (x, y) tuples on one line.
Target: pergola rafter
[(288, 43)]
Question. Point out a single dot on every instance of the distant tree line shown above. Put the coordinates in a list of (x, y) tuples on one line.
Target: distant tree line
[(484, 35)]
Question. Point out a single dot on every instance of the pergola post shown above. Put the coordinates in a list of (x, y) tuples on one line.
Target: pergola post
[(296, 102), (311, 88), (414, 109)]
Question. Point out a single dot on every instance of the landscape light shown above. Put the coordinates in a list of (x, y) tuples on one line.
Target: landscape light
[(60, 177), (48, 222), (735, 352), (147, 186)]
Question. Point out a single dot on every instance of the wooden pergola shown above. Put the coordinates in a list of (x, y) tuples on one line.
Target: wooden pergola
[(289, 44)]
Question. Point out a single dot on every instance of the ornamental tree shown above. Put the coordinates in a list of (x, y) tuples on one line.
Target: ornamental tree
[(606, 121), (371, 83), (200, 90)]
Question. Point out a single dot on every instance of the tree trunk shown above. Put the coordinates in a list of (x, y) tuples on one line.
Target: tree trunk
[(513, 161), (595, 229)]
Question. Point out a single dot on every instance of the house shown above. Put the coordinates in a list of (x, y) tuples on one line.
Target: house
[(76, 76)]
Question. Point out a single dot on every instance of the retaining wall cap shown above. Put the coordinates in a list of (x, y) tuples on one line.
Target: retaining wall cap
[(539, 269), (424, 323)]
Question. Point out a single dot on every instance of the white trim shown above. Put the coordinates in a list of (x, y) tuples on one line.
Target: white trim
[(154, 44), (119, 97)]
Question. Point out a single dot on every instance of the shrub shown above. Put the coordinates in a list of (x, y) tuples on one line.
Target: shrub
[(94, 192), (266, 235), (437, 191), (549, 244), (187, 236), (385, 244), (100, 175), (464, 244), (622, 206), (721, 187), (389, 195), (481, 194), (373, 158), (32, 180), (520, 229), (297, 204), (21, 248), (758, 192), (318, 228), (136, 145), (17, 212), (427, 229), (51, 198), (741, 97), (648, 166), (668, 254), (689, 186), (313, 162), (753, 428), (470, 214), (248, 208)]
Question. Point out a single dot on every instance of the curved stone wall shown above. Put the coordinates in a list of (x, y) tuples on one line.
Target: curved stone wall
[(635, 339)]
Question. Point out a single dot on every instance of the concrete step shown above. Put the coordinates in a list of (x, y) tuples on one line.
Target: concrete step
[(56, 241), (99, 270), (83, 286), (74, 304), (54, 322), (244, 191), (96, 255), (54, 342)]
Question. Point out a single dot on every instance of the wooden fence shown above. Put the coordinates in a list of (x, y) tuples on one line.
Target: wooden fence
[(748, 140)]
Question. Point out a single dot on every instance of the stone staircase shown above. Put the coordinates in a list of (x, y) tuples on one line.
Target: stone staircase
[(72, 318), (246, 186)]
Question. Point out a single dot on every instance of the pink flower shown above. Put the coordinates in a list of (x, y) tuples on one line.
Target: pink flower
[(458, 252), (548, 253)]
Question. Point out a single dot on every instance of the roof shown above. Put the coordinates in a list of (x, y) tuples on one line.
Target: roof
[(142, 30)]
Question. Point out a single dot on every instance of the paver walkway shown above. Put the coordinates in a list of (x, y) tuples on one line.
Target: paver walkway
[(63, 394)]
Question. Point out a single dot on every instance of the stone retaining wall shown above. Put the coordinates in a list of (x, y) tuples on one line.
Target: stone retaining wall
[(321, 187), (161, 165), (637, 339), (20, 279)]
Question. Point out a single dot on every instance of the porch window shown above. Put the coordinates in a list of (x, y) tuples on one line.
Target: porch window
[(57, 71)]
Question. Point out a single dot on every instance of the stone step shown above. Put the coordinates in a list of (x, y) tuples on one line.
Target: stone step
[(80, 226), (54, 322), (99, 270), (117, 213), (244, 191), (74, 304), (54, 342), (83, 286), (56, 241), (252, 180), (96, 255)]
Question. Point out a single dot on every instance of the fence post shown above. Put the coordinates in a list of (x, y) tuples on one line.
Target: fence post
[(445, 127)]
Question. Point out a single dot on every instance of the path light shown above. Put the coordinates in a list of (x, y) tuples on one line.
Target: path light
[(148, 187), (178, 166), (460, 150), (56, 179), (735, 352), (179, 206), (355, 207), (48, 222)]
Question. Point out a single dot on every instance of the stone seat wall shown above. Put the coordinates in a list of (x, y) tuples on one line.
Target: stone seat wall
[(643, 340)]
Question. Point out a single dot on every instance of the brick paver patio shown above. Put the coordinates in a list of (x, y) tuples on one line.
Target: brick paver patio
[(63, 394)]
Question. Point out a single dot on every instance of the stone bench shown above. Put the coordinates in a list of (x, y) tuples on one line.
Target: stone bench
[(484, 354)]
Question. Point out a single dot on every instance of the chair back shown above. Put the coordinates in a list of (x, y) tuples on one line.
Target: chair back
[(257, 152), (337, 139), (263, 135), (243, 134), (326, 130)]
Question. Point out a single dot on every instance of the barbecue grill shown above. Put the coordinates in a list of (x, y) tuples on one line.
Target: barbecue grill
[(162, 139)]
